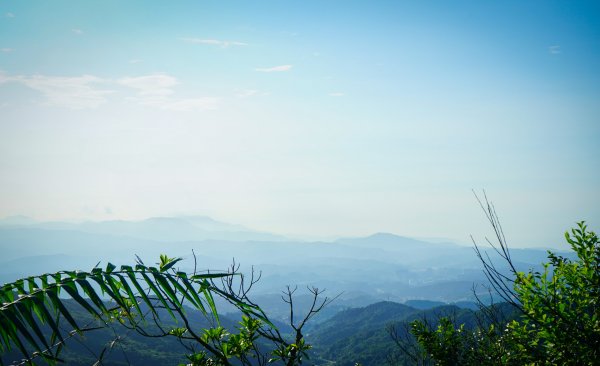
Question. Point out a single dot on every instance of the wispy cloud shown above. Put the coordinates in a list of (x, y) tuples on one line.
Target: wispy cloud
[(214, 42), (275, 68), (554, 50), (156, 90), (336, 94), (9, 15), (88, 91), (77, 31), (155, 85), (78, 92), (6, 50), (135, 61)]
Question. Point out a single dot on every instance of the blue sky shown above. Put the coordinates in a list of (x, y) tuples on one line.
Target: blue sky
[(312, 118)]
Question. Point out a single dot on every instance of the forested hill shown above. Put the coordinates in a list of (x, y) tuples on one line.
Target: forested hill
[(363, 334)]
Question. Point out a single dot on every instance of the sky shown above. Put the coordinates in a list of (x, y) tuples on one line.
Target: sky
[(314, 119)]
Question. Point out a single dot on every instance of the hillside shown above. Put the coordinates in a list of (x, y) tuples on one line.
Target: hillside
[(362, 334)]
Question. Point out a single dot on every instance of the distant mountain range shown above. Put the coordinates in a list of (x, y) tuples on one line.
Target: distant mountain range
[(167, 229), (365, 270)]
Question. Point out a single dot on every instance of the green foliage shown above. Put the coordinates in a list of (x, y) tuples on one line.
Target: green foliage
[(560, 322), (451, 345), (444, 344), (227, 344), (37, 314)]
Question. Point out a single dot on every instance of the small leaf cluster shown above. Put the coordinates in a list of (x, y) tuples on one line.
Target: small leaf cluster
[(230, 345), (293, 351)]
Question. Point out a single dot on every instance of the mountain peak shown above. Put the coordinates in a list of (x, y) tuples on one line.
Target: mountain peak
[(384, 236)]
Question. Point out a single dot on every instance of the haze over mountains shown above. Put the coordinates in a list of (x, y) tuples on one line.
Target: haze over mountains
[(365, 270), (184, 228)]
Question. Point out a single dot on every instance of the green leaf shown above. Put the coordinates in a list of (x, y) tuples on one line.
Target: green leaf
[(8, 318), (38, 299), (211, 302), (32, 284), (19, 286), (91, 293), (25, 308), (130, 294), (158, 294), (142, 293), (53, 295), (71, 289), (210, 275), (185, 292), (165, 266), (115, 289), (167, 288), (98, 278), (192, 291)]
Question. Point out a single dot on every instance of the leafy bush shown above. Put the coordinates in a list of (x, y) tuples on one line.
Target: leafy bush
[(559, 307)]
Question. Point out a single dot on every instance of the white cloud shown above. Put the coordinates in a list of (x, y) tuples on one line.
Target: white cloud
[(77, 31), (135, 61), (6, 50), (150, 85), (554, 50), (156, 91), (214, 42), (9, 15), (78, 92), (275, 68), (83, 92), (336, 94)]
